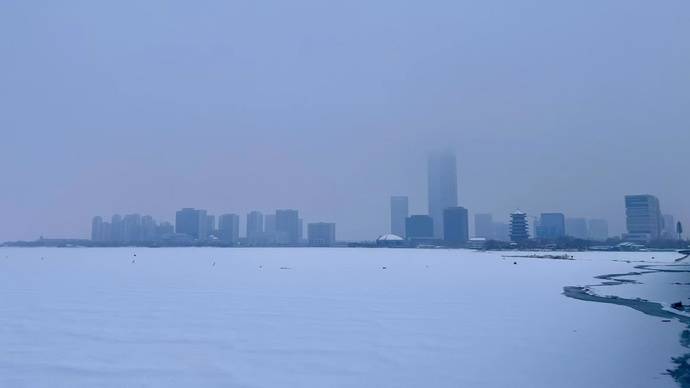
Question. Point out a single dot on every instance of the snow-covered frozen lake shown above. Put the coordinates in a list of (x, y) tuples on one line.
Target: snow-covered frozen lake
[(292, 317)]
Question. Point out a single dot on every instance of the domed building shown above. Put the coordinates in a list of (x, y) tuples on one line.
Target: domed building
[(390, 240)]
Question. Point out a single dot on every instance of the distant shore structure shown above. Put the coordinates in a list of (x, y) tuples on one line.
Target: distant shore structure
[(390, 240)]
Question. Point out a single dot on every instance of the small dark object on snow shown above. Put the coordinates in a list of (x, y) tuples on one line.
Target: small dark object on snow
[(383, 267), (133, 261), (677, 306), (514, 262), (665, 320)]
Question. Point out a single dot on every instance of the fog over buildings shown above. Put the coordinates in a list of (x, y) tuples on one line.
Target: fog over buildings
[(330, 108)]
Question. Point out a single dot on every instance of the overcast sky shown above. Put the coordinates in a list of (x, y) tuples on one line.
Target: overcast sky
[(331, 107)]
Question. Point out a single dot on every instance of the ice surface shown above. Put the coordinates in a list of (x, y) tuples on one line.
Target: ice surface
[(296, 317)]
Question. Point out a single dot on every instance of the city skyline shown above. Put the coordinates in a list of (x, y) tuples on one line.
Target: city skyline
[(441, 184), (644, 218)]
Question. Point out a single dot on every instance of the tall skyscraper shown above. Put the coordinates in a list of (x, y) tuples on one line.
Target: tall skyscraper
[(643, 217), (229, 228), (551, 226), (419, 227), (519, 228), (287, 226), (255, 226), (442, 187), (321, 233), (484, 226), (191, 222), (598, 229), (399, 211), (455, 226)]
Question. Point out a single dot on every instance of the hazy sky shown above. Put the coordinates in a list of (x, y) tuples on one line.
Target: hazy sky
[(330, 107)]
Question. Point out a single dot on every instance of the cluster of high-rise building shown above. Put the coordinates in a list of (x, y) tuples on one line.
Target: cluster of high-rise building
[(284, 227), (445, 222), (554, 226), (132, 228)]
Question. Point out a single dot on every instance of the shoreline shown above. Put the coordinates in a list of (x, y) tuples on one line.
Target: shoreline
[(681, 372)]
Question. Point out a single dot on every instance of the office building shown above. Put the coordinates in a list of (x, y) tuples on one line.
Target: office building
[(321, 233), (255, 226), (399, 208), (551, 226), (598, 229), (287, 226), (643, 218), (455, 226), (519, 228), (229, 228), (191, 222), (419, 227), (484, 226), (442, 187)]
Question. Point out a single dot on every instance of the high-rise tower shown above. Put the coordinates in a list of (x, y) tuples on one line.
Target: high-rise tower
[(442, 186)]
